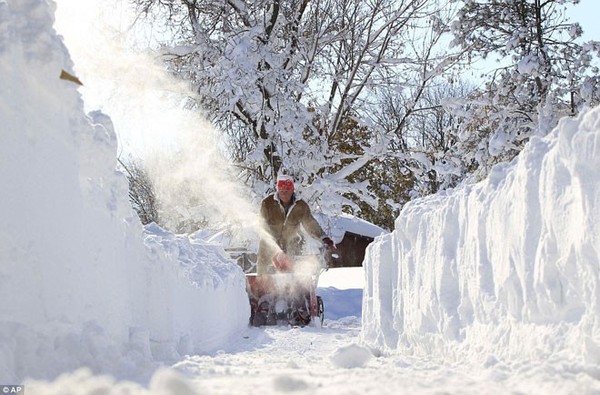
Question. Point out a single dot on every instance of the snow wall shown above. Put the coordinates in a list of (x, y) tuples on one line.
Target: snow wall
[(82, 283), (503, 270)]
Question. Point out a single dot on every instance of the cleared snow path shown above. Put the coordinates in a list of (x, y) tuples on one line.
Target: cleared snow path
[(330, 360), (278, 359)]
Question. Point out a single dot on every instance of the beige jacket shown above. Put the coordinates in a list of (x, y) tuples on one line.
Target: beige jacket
[(282, 230)]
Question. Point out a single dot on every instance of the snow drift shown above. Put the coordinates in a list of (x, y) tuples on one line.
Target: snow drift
[(82, 283), (504, 270)]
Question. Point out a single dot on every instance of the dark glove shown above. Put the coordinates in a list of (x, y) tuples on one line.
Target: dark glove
[(330, 244)]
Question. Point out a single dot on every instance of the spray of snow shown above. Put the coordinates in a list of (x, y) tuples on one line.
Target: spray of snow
[(152, 110)]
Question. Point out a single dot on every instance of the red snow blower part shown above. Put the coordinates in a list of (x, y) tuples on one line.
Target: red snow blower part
[(288, 297)]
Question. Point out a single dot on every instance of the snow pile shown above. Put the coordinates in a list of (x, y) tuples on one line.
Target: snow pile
[(504, 270), (351, 356), (81, 282)]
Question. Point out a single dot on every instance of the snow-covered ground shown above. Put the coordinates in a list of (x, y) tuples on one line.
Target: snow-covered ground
[(491, 288)]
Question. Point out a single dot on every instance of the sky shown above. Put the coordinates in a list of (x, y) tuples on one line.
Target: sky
[(487, 288), (585, 13)]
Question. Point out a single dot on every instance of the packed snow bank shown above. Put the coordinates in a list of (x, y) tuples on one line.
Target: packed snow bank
[(82, 283), (507, 269)]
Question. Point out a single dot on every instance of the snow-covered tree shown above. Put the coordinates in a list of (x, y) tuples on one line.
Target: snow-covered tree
[(438, 168), (542, 74), (291, 84)]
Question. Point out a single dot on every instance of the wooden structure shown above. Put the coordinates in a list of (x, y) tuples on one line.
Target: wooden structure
[(352, 235), (351, 250)]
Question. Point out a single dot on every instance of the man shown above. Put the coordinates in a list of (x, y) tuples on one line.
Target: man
[(282, 213)]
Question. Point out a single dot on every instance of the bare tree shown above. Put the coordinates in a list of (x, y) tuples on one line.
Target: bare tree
[(141, 192)]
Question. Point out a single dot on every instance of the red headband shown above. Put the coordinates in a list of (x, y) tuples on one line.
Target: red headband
[(285, 185)]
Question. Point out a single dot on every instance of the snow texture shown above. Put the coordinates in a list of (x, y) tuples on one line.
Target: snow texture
[(490, 288), (351, 356), (505, 271), (337, 226), (81, 282)]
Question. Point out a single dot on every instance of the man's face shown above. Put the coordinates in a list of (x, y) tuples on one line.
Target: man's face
[(285, 195), (285, 189)]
